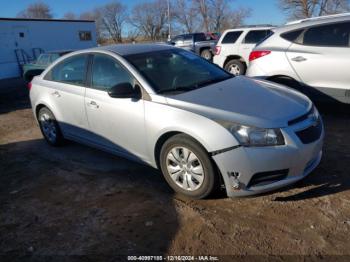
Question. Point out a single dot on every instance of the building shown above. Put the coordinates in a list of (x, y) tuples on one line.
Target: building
[(22, 40)]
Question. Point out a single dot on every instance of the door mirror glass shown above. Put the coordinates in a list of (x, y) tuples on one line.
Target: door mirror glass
[(125, 90)]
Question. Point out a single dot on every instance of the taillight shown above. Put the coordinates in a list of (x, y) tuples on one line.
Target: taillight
[(257, 54), (217, 50), (29, 85)]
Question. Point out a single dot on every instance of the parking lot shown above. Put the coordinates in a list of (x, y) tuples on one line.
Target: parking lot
[(74, 200)]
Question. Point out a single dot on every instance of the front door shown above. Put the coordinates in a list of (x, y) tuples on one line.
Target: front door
[(118, 123)]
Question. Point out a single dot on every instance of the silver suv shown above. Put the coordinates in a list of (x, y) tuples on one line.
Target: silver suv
[(311, 55)]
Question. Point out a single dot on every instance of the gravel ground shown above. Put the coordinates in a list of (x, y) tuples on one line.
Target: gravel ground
[(74, 200)]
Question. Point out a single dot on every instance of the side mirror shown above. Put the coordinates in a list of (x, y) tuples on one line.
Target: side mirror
[(125, 90)]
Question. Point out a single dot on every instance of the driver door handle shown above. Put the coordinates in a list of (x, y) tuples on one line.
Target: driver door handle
[(299, 59), (93, 104)]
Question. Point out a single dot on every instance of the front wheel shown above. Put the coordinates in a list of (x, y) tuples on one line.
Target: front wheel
[(187, 167)]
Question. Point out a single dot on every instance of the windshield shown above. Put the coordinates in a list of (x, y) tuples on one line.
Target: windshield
[(176, 70)]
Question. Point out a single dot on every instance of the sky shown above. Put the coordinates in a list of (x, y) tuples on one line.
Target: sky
[(263, 11)]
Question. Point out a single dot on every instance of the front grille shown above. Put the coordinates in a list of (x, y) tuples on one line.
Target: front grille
[(264, 178), (310, 134)]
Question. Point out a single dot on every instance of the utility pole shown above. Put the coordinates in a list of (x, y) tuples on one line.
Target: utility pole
[(169, 24)]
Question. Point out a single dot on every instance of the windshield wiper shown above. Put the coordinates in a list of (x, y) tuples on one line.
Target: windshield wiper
[(176, 89), (212, 81), (195, 86)]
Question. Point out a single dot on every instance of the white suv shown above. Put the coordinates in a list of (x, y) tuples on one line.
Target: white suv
[(310, 55), (234, 46)]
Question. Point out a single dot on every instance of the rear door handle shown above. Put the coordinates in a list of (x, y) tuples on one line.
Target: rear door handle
[(93, 104), (299, 59), (56, 94)]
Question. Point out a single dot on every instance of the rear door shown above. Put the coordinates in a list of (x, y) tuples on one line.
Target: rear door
[(117, 123), (66, 85), (321, 57), (249, 42)]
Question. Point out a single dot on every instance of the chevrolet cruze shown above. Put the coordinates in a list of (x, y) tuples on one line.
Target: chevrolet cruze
[(169, 108)]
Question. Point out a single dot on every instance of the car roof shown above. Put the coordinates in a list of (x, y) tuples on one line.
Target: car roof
[(313, 21), (131, 49)]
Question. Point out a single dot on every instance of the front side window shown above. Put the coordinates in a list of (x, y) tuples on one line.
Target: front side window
[(176, 70), (334, 35), (107, 73), (256, 36), (231, 37), (71, 71)]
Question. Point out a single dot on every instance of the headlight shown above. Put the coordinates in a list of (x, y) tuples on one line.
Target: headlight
[(253, 136)]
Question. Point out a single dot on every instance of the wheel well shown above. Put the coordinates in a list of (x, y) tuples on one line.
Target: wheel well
[(285, 80), (38, 107), (168, 135), (203, 48), (235, 57), (160, 143)]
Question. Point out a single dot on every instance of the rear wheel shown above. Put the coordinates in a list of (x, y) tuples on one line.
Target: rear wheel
[(187, 167), (49, 127), (235, 67), (206, 54)]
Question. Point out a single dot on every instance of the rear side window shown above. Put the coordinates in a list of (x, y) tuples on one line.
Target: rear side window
[(231, 37), (107, 72), (334, 35), (292, 36), (256, 36), (71, 71)]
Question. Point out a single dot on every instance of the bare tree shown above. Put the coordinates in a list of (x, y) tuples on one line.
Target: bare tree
[(203, 8), (298, 9), (37, 10), (150, 19), (236, 18), (217, 15), (69, 16), (333, 6), (113, 17), (186, 15), (95, 15)]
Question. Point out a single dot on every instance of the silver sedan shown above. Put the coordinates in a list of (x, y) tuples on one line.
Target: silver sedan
[(175, 111)]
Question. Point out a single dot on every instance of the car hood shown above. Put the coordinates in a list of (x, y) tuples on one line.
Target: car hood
[(246, 101)]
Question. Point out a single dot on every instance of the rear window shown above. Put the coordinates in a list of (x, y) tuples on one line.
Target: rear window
[(256, 36), (231, 37), (200, 37), (334, 35)]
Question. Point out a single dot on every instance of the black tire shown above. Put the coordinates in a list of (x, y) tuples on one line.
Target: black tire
[(206, 54), (239, 66), (211, 178), (45, 113)]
